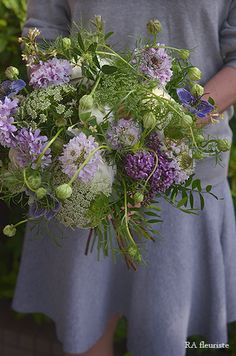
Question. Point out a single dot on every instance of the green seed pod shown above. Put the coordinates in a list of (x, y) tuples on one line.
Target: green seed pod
[(187, 120), (154, 27), (85, 107), (9, 230), (41, 193), (34, 181), (138, 197), (11, 73), (66, 42), (197, 90), (60, 122), (199, 138), (184, 53), (57, 145), (149, 120), (194, 73), (198, 155), (223, 145), (63, 191), (132, 251)]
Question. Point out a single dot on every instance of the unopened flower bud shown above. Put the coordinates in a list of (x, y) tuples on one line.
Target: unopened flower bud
[(85, 107), (194, 73), (187, 120), (184, 53), (11, 73), (138, 197), (41, 193), (197, 90), (63, 191), (223, 145), (66, 42), (149, 120), (198, 155), (9, 230), (60, 122), (154, 26), (98, 22), (199, 138), (34, 181)]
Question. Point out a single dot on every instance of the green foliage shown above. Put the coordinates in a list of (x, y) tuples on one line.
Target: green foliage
[(12, 16)]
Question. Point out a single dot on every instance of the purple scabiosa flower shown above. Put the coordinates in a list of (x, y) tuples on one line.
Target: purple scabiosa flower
[(139, 165), (194, 104), (7, 128), (28, 146), (75, 153), (154, 63), (123, 133), (53, 72)]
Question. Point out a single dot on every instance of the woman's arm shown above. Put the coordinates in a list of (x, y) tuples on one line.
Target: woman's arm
[(222, 88)]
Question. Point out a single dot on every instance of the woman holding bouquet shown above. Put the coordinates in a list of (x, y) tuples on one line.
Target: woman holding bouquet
[(189, 286)]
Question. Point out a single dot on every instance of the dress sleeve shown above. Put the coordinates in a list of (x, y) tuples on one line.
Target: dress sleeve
[(228, 37), (51, 17)]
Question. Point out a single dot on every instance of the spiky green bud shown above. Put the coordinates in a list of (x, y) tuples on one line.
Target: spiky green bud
[(184, 54), (34, 181), (138, 197), (223, 145), (66, 42)]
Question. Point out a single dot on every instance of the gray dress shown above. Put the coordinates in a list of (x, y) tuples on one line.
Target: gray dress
[(189, 285)]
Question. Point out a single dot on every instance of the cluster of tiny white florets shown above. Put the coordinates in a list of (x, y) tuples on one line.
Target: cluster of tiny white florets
[(74, 210), (41, 101)]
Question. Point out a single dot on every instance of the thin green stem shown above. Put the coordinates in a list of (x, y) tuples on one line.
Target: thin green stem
[(47, 147), (154, 169), (23, 221), (85, 162), (126, 213)]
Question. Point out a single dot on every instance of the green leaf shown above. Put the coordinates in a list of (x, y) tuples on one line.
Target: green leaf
[(107, 35), (202, 202), (197, 185), (191, 200), (211, 100), (106, 69), (80, 41), (182, 202), (150, 213), (208, 188)]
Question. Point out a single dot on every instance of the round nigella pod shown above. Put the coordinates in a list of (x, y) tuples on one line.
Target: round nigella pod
[(138, 197), (9, 230), (187, 120), (64, 191), (199, 138), (11, 73), (194, 73), (41, 193), (34, 181), (149, 120), (197, 90), (85, 107), (154, 27), (197, 155), (184, 54), (66, 42), (223, 145)]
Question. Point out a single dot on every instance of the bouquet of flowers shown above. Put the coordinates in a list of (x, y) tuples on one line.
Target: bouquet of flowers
[(97, 137)]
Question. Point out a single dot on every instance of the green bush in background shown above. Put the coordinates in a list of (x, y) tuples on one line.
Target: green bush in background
[(12, 16)]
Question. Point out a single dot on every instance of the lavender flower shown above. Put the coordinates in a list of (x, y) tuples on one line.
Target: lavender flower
[(53, 72), (155, 63), (76, 152), (29, 145), (139, 165), (123, 133), (7, 129)]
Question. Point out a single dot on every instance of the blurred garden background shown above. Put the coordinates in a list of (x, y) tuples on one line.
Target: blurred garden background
[(12, 15)]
